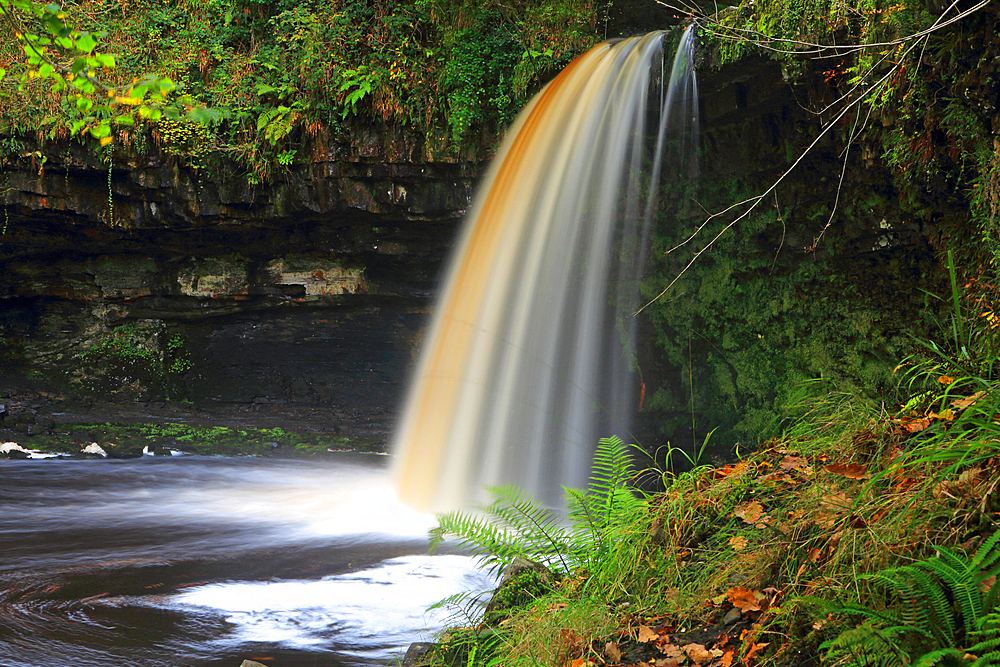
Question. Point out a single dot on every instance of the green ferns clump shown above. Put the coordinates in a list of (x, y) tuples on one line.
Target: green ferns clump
[(513, 525), (941, 604)]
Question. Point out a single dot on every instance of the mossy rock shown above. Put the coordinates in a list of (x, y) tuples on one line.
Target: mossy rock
[(523, 582)]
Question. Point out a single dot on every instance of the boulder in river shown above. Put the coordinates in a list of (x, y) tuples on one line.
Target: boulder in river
[(12, 450), (94, 450)]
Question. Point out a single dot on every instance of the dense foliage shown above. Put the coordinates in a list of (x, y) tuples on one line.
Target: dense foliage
[(274, 74)]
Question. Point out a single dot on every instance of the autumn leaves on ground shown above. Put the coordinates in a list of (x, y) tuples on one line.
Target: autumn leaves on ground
[(809, 551)]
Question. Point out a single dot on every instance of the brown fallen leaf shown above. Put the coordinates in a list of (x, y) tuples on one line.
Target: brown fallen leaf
[(738, 543), (745, 599), (914, 425), (671, 652), (750, 512), (612, 652), (646, 635), (727, 658), (698, 653), (970, 400), (794, 463), (848, 470)]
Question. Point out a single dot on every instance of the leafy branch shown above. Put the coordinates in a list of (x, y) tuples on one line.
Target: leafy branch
[(71, 62)]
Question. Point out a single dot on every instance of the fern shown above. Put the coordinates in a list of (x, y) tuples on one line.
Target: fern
[(513, 525), (924, 622)]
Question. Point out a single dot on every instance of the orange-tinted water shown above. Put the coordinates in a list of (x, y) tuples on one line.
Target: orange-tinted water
[(526, 364)]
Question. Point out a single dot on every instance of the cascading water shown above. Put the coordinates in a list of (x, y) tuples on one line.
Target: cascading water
[(527, 362)]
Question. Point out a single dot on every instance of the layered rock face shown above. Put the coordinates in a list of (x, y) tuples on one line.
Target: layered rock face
[(144, 280)]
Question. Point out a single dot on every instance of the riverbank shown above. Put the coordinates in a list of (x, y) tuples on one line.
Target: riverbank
[(47, 418), (861, 536)]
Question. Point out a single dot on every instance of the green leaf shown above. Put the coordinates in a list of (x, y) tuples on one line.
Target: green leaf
[(106, 60), (86, 43), (78, 65), (204, 115), (45, 71), (124, 120)]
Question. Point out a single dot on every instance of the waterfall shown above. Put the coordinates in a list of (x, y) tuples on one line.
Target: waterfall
[(527, 361)]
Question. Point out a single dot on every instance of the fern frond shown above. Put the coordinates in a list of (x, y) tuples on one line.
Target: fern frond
[(868, 645), (611, 469), (537, 530), (952, 656), (988, 554), (987, 646), (924, 602), (465, 606), (962, 583), (494, 545), (867, 613)]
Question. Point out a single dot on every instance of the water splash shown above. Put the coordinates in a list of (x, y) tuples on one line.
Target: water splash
[(527, 362)]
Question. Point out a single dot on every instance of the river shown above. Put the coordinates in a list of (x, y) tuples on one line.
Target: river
[(191, 560)]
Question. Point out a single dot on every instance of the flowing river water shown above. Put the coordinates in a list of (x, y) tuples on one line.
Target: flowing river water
[(193, 560)]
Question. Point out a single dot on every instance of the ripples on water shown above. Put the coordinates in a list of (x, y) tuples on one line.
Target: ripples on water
[(207, 561)]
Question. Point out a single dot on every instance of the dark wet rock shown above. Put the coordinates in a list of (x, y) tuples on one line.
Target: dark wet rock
[(12, 450), (128, 450), (252, 663), (418, 654)]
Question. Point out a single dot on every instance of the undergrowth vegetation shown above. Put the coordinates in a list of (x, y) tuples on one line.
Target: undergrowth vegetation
[(861, 535), (274, 74)]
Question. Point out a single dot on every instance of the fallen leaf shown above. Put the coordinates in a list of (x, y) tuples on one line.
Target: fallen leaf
[(753, 649), (646, 635), (750, 512), (727, 658), (944, 379), (915, 425), (698, 654), (794, 463), (848, 470), (738, 543), (671, 652), (612, 652), (745, 599), (970, 400), (970, 477)]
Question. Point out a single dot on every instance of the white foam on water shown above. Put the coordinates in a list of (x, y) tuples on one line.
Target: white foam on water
[(376, 613)]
